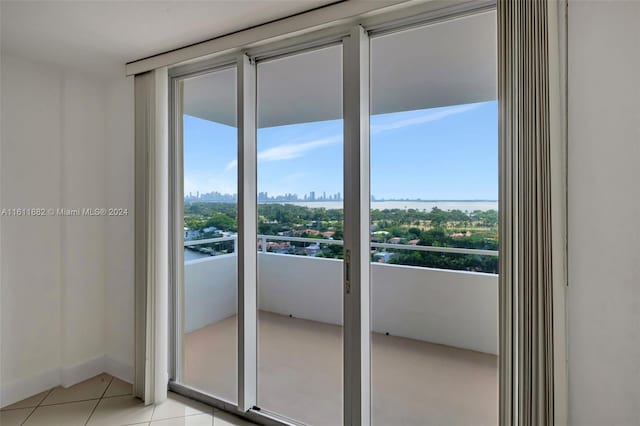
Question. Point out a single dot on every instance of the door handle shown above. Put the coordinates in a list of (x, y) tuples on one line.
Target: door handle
[(347, 271)]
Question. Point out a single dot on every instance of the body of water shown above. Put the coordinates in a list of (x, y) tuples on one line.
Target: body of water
[(405, 205)]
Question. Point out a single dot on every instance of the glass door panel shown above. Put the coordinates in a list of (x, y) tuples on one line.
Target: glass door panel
[(209, 293), (434, 189), (300, 217)]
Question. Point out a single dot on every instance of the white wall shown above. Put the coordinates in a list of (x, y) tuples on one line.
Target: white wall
[(31, 291), (119, 265), (604, 209), (82, 168), (453, 308), (305, 287), (449, 307), (211, 292), (57, 152)]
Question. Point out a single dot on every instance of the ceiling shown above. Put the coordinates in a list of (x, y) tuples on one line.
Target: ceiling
[(100, 36), (448, 63)]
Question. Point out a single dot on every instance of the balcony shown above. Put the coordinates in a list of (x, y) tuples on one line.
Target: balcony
[(434, 346)]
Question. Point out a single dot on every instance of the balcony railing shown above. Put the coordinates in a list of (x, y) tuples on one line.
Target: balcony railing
[(265, 238)]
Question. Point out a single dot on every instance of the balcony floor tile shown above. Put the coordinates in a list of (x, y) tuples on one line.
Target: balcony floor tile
[(414, 382)]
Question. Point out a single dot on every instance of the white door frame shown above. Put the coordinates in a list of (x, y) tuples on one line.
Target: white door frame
[(354, 37), (357, 267)]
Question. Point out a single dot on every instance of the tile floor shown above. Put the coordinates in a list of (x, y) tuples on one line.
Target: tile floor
[(107, 401)]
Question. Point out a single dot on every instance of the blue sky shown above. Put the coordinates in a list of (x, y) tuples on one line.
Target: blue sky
[(439, 153)]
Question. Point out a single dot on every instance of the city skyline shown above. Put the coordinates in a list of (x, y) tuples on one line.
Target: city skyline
[(264, 196), (307, 197)]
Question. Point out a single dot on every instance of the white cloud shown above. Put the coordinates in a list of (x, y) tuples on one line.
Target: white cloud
[(426, 118), (231, 165), (290, 151)]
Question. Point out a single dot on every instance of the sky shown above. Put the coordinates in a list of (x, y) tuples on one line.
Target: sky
[(448, 153)]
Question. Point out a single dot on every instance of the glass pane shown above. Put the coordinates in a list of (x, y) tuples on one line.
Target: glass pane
[(300, 216), (434, 186), (209, 310)]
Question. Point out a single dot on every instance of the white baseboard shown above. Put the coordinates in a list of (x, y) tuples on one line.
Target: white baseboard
[(20, 389), (118, 369), (70, 375)]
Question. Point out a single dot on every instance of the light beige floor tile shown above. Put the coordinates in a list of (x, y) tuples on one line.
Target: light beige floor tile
[(121, 410), (179, 406), (118, 388), (196, 420), (89, 389), (221, 418), (70, 414), (14, 417), (29, 402)]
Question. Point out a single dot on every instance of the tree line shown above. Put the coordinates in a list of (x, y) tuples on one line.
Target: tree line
[(440, 228)]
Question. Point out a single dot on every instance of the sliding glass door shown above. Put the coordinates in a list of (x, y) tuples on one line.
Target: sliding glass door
[(208, 309), (300, 211), (338, 227), (434, 192)]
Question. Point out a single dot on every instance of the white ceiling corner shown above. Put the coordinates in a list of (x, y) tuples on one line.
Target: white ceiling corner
[(101, 36)]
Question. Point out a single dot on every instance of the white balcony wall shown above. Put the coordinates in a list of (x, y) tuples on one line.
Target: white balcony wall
[(448, 307), (453, 308), (305, 287), (210, 292)]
